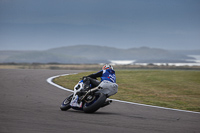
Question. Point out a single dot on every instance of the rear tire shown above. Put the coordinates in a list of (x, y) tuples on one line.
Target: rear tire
[(100, 99), (66, 103)]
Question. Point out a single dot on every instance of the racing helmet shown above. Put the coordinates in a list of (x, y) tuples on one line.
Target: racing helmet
[(105, 67)]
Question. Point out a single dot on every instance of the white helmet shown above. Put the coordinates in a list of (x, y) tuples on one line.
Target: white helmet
[(107, 67)]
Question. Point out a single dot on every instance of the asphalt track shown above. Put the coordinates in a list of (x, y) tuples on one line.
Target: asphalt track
[(28, 104)]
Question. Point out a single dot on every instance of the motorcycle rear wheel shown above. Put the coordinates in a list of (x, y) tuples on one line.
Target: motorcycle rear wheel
[(94, 105)]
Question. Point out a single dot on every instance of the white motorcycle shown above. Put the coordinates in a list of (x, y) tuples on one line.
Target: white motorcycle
[(89, 101)]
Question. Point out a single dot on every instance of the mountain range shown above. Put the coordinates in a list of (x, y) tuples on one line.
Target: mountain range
[(80, 54)]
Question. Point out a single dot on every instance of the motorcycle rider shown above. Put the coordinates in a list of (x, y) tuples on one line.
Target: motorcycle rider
[(107, 84)]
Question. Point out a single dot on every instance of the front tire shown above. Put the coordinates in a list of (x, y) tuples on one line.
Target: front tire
[(66, 103), (94, 105)]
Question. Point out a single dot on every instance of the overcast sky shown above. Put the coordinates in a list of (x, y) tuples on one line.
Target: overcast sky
[(45, 24)]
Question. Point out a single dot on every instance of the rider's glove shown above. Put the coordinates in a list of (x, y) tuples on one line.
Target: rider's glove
[(84, 79)]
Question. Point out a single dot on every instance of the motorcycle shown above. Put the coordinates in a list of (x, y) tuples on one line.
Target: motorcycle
[(89, 101)]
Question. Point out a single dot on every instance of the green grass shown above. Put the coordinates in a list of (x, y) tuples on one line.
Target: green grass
[(166, 88)]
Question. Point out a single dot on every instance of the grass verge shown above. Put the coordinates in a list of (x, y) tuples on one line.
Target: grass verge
[(166, 88)]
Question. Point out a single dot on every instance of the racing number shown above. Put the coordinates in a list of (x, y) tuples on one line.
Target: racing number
[(112, 77)]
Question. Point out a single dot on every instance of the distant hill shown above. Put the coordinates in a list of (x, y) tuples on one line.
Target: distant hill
[(95, 54), (187, 52)]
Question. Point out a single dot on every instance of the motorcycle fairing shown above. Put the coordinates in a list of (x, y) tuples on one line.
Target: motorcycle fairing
[(74, 102)]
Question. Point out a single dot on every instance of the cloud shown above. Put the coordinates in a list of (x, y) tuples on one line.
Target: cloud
[(119, 23)]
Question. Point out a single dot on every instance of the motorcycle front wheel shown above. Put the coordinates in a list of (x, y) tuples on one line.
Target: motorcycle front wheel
[(66, 103)]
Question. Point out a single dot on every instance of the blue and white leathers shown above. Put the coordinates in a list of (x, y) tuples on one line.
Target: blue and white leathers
[(108, 82), (109, 75)]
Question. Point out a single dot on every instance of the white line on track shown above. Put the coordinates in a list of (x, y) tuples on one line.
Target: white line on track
[(50, 81)]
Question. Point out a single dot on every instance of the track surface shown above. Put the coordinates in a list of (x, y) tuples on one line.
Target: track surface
[(28, 104)]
